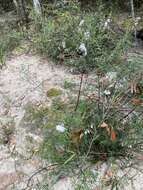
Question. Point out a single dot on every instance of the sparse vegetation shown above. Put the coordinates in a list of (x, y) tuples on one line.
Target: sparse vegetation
[(8, 41), (101, 119), (101, 129), (69, 85)]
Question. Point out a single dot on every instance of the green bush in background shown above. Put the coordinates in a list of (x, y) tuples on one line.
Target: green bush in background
[(8, 41), (61, 36)]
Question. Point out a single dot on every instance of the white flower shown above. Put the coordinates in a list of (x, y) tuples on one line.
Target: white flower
[(107, 92), (64, 44), (111, 76), (106, 24), (82, 49), (137, 19), (91, 126), (86, 131), (81, 23), (60, 128), (87, 35), (109, 20)]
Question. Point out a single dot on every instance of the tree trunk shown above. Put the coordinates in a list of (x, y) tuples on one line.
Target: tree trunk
[(37, 7), (21, 10)]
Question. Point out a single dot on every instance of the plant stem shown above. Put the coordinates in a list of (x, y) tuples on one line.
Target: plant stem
[(79, 92), (133, 17)]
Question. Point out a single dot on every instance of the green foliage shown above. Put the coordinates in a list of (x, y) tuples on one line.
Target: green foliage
[(7, 131), (61, 35), (69, 85), (133, 68), (53, 92), (102, 129), (98, 130), (8, 41)]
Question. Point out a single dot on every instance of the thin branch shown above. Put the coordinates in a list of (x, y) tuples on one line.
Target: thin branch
[(133, 17), (37, 172), (127, 115), (79, 92)]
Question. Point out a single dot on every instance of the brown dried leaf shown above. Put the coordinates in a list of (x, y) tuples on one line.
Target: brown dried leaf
[(76, 136), (113, 135), (135, 87), (137, 102), (109, 173), (106, 126)]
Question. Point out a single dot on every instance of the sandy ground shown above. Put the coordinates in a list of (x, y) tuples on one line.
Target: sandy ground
[(25, 80)]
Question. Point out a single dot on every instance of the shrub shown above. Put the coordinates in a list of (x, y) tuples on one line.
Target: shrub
[(106, 124), (97, 132), (61, 37)]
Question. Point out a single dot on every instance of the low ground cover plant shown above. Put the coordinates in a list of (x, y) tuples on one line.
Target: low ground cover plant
[(105, 125)]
